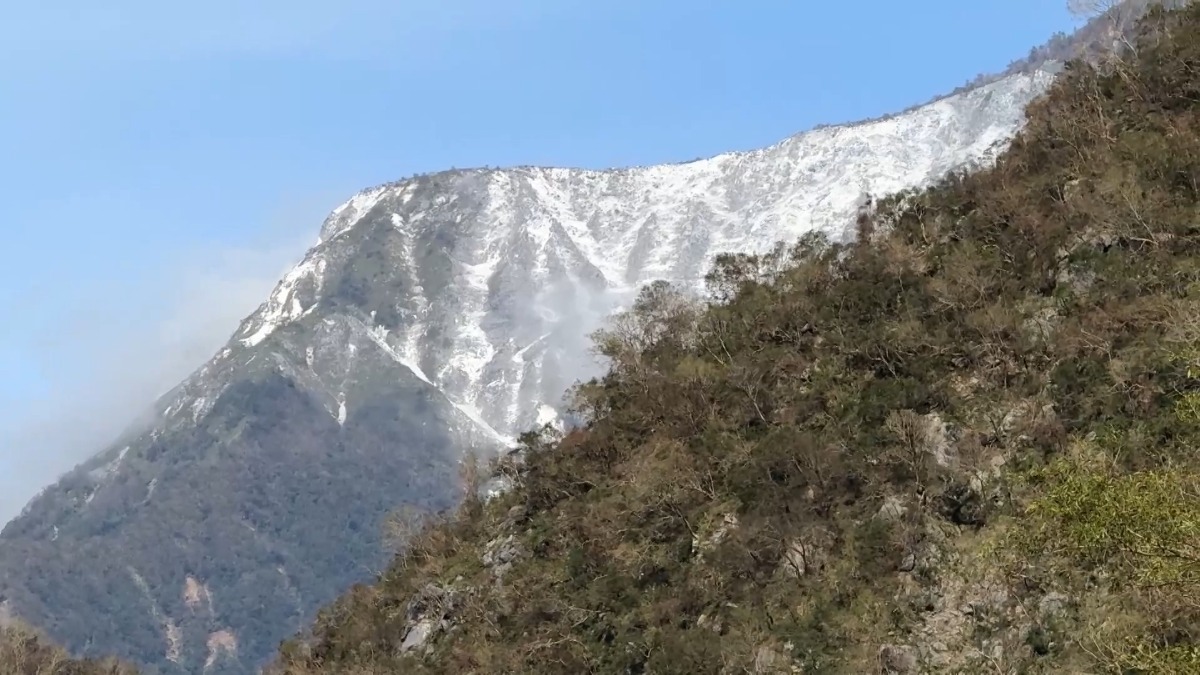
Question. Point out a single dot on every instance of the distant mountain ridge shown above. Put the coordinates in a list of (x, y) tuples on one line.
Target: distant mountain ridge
[(435, 315)]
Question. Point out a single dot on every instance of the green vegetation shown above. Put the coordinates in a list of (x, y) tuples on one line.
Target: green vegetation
[(964, 443), (1143, 530)]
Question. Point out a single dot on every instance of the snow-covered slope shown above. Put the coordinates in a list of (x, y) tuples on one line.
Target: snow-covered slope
[(534, 258), (434, 315)]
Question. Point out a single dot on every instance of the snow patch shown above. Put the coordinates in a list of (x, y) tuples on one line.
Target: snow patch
[(379, 335), (102, 474), (345, 217), (473, 414), (546, 415), (284, 306), (519, 357), (199, 408)]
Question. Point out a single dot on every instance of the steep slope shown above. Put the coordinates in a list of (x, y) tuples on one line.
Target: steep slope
[(964, 443), (435, 315), (518, 265)]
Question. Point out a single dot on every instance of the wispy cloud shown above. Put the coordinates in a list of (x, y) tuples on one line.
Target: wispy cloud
[(133, 343)]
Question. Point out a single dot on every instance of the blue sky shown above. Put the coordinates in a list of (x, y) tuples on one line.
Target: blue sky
[(162, 162)]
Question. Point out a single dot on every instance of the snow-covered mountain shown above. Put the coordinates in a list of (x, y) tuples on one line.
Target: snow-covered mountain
[(446, 312), (494, 278)]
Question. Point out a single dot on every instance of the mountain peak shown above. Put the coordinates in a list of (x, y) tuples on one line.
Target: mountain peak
[(435, 316)]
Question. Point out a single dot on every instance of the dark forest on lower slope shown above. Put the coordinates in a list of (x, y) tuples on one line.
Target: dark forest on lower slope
[(964, 443)]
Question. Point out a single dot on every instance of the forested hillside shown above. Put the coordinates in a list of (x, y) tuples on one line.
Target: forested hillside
[(24, 652), (964, 443)]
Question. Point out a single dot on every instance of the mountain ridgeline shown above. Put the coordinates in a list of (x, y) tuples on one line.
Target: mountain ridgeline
[(435, 317), (964, 442), (949, 430)]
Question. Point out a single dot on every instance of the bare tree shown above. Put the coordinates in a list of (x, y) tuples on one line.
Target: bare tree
[(1086, 9), (402, 527), (914, 452)]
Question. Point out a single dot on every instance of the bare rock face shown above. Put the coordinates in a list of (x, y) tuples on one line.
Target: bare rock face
[(429, 614), (418, 635), (500, 554), (897, 660)]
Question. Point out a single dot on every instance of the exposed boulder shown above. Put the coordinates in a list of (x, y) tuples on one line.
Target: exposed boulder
[(500, 553), (897, 660)]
